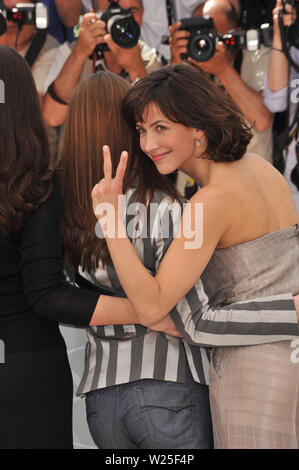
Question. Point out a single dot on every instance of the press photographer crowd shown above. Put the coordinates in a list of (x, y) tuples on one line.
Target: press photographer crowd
[(212, 89)]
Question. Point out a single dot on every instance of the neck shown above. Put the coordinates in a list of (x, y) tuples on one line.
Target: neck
[(200, 169)]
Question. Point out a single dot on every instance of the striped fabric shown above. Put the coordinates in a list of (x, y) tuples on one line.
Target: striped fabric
[(266, 266), (124, 353)]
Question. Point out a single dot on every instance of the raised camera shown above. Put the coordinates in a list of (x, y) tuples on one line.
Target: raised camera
[(121, 25), (203, 38), (24, 13)]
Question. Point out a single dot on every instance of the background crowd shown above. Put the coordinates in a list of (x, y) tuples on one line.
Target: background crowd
[(65, 58)]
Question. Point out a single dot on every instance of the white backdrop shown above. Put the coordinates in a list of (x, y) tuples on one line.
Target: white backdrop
[(76, 340)]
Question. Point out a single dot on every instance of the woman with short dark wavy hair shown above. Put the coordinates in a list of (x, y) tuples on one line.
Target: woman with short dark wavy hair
[(239, 233)]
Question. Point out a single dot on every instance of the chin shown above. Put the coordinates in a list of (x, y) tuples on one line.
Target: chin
[(166, 170)]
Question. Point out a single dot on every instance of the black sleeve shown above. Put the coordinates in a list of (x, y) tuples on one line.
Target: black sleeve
[(42, 268)]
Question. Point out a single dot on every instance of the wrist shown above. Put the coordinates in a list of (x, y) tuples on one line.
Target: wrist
[(80, 54), (277, 42)]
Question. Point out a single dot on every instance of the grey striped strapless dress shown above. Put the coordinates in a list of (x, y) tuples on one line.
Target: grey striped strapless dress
[(254, 389)]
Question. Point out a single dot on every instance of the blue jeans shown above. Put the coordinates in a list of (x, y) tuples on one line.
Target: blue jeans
[(150, 414)]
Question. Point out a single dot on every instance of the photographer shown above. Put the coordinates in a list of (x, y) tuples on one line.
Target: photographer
[(22, 38), (280, 95), (244, 86), (63, 17), (158, 15), (39, 49), (77, 60)]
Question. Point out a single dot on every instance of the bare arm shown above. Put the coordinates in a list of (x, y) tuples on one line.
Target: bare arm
[(250, 101), (69, 11), (153, 298), (91, 33), (278, 71)]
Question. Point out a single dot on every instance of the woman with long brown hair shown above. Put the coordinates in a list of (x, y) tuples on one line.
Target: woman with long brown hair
[(246, 245), (127, 367)]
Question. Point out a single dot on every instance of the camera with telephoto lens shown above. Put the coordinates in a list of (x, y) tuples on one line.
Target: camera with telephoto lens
[(24, 13), (292, 32), (204, 37), (120, 23)]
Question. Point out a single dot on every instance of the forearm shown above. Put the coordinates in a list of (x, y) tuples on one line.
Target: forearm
[(249, 101), (278, 70), (55, 113), (69, 11), (141, 288), (257, 321), (113, 311)]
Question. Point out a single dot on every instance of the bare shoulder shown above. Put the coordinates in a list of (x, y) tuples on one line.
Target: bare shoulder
[(216, 204)]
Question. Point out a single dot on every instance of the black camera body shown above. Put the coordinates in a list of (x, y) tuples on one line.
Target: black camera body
[(120, 23), (24, 13), (250, 39), (204, 37)]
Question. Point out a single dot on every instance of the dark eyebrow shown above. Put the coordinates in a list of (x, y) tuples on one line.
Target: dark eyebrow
[(154, 123)]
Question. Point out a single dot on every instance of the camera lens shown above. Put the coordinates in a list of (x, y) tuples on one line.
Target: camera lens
[(124, 30), (202, 48)]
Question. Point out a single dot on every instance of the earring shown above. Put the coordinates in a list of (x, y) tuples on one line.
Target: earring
[(197, 143)]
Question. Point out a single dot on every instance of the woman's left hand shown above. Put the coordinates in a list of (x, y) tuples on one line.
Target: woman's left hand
[(105, 194)]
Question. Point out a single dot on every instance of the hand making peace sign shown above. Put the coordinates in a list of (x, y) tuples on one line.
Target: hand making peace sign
[(109, 189)]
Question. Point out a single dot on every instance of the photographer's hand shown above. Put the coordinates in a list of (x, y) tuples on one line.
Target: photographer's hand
[(165, 326), (288, 18), (278, 71), (178, 41), (128, 59), (218, 64), (92, 32)]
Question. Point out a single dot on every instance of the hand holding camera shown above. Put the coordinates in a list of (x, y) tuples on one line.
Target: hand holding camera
[(129, 59), (92, 32), (286, 23), (218, 63), (178, 41)]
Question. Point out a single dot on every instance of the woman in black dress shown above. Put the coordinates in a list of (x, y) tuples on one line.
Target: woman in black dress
[(35, 379)]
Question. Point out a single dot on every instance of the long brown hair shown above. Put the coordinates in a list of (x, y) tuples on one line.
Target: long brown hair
[(188, 96), (95, 119), (25, 180)]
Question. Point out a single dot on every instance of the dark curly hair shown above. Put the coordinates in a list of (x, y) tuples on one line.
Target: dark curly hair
[(25, 180), (188, 96)]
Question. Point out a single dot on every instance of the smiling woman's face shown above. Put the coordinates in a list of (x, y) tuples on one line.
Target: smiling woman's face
[(169, 144)]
